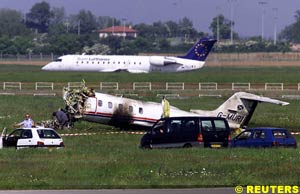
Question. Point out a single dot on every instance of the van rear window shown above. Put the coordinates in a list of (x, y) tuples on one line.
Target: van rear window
[(279, 134)]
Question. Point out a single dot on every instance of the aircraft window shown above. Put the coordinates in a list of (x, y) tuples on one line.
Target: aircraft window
[(121, 106), (93, 62), (87, 62), (98, 62), (77, 62), (81, 61), (103, 62), (134, 63), (107, 62), (130, 109), (124, 62), (100, 103), (140, 63), (58, 60), (114, 62), (141, 111), (110, 105), (119, 62)]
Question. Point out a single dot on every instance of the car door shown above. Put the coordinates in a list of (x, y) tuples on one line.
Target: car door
[(258, 139), (26, 139), (211, 137), (12, 139), (243, 139)]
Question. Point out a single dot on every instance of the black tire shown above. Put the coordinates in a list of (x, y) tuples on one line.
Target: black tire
[(187, 145)]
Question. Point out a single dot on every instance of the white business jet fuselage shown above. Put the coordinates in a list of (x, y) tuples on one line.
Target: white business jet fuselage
[(124, 112), (193, 60)]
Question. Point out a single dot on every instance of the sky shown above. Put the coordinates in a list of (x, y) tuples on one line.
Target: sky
[(247, 14)]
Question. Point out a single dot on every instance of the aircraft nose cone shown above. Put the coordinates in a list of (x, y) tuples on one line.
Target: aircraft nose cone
[(46, 67)]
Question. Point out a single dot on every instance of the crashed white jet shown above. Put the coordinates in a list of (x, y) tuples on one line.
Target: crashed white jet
[(124, 112)]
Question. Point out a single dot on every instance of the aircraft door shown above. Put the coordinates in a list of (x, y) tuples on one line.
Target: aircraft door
[(91, 104)]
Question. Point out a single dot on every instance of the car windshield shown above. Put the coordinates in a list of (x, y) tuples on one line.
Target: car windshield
[(47, 134), (244, 135)]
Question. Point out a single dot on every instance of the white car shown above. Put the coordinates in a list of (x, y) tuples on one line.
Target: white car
[(32, 137)]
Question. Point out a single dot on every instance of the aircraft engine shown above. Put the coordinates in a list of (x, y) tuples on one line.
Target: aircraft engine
[(161, 61)]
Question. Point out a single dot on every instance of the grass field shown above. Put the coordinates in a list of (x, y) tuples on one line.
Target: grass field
[(27, 73), (115, 161)]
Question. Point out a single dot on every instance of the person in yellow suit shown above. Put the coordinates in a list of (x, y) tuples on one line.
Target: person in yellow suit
[(166, 107)]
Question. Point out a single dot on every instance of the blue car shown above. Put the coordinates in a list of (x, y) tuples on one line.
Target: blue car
[(264, 137)]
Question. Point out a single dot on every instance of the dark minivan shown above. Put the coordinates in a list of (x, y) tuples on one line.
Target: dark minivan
[(195, 131)]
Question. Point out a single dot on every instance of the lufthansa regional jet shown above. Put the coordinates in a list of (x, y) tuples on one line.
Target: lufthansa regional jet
[(193, 60)]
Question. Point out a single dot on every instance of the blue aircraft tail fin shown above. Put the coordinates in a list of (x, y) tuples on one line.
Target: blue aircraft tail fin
[(200, 50)]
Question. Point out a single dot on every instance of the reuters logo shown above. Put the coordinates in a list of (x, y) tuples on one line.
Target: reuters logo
[(239, 189), (260, 189)]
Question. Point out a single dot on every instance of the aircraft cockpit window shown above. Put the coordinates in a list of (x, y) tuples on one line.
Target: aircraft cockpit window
[(141, 111), (110, 105), (100, 103), (58, 60)]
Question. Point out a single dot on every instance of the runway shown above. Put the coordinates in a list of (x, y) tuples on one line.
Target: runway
[(126, 191)]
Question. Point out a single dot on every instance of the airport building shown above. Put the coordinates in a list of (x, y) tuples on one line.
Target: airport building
[(120, 31)]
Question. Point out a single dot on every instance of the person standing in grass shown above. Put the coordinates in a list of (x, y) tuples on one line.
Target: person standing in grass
[(27, 123)]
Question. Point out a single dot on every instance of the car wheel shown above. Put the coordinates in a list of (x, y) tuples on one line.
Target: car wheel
[(187, 145)]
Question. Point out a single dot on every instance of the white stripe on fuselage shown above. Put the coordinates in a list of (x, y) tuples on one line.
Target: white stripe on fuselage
[(112, 63), (141, 113)]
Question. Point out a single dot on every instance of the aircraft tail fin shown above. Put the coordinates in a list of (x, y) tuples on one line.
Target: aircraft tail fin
[(239, 108), (200, 50)]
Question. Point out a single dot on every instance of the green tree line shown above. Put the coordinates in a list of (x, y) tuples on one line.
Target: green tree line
[(45, 29)]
